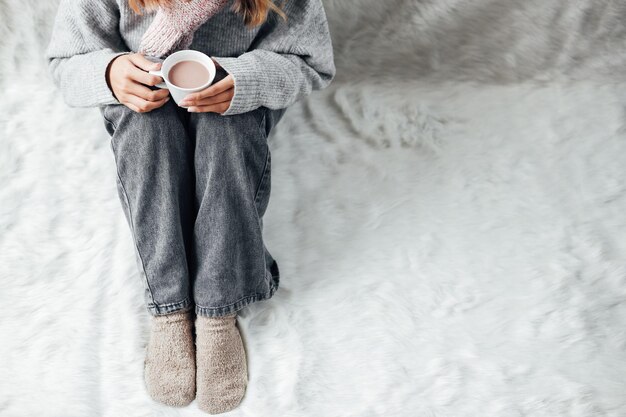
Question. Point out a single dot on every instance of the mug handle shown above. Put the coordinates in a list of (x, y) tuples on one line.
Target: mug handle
[(160, 74)]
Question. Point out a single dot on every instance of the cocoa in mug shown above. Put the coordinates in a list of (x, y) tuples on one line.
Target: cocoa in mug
[(189, 74)]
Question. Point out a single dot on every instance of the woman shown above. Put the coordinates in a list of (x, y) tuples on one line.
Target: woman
[(194, 184)]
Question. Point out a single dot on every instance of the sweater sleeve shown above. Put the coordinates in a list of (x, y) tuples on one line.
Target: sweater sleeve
[(294, 58), (85, 39)]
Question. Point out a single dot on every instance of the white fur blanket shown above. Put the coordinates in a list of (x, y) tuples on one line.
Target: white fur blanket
[(449, 219)]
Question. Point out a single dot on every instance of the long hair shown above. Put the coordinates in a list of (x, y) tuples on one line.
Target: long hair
[(253, 12)]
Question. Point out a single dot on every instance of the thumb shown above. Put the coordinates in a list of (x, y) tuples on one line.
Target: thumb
[(142, 62)]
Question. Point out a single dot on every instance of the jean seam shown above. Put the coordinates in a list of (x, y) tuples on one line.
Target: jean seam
[(256, 195), (166, 305), (263, 133), (263, 176), (158, 309), (132, 224)]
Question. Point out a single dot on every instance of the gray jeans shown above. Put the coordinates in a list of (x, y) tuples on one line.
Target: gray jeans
[(194, 188)]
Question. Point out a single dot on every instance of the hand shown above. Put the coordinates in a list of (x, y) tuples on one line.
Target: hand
[(128, 77), (215, 98)]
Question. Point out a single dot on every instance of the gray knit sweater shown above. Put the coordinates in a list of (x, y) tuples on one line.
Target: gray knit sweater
[(273, 65)]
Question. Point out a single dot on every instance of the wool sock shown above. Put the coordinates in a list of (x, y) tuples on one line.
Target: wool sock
[(170, 364), (221, 377)]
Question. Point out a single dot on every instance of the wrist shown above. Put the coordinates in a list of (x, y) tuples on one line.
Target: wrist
[(107, 73), (104, 75)]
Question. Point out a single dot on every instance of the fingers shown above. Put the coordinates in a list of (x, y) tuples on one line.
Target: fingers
[(142, 62), (215, 108), (145, 93), (216, 99), (139, 70), (128, 87), (143, 77), (137, 74), (220, 86), (143, 106)]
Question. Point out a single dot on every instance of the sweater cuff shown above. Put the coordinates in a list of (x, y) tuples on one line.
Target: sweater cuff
[(102, 93), (247, 83)]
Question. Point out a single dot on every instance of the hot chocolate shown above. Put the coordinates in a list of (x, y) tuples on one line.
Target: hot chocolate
[(188, 74)]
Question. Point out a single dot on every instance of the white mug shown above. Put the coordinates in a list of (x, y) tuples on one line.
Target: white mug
[(179, 93)]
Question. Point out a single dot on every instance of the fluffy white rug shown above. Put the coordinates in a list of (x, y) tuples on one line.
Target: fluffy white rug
[(447, 248)]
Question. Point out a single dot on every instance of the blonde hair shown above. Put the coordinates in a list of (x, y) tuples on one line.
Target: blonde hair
[(253, 12)]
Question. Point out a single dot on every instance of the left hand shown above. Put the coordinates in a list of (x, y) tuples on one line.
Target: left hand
[(215, 98)]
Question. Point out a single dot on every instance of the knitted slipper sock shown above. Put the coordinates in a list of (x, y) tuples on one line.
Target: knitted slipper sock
[(221, 364), (170, 364)]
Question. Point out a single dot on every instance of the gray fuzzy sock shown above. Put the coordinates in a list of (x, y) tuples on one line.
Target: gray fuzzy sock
[(170, 364), (221, 377)]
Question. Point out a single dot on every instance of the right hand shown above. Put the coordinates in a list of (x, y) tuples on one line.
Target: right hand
[(128, 77)]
